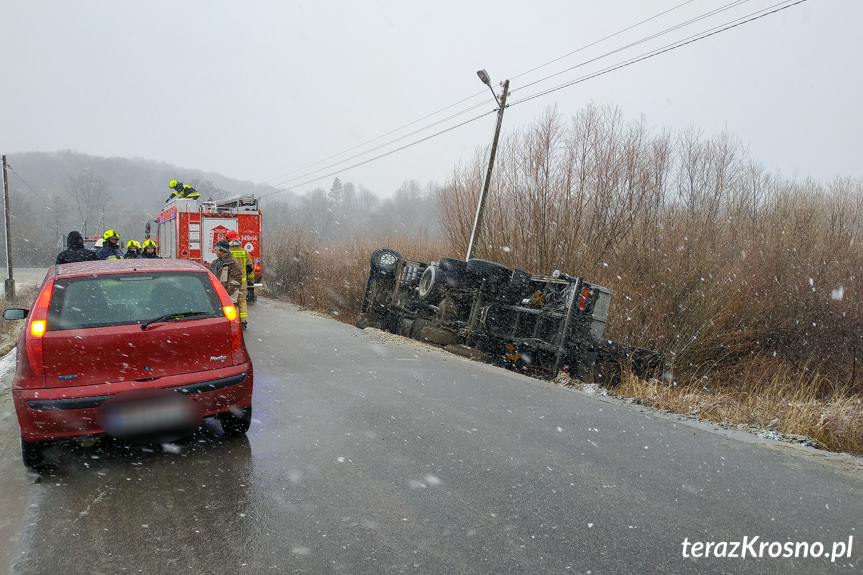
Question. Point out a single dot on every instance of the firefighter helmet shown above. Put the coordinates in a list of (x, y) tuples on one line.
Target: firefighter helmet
[(148, 243), (109, 234), (232, 235), (172, 184), (131, 243)]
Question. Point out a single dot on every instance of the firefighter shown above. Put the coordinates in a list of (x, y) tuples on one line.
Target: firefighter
[(243, 259), (133, 250), (181, 190), (110, 249), (75, 250), (226, 268), (150, 250)]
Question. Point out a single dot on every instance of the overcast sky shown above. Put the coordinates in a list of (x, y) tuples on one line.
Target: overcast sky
[(278, 91)]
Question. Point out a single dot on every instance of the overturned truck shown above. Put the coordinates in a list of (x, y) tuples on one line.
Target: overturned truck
[(533, 323)]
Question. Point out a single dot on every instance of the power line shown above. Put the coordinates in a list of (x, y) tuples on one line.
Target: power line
[(393, 142), (619, 32), (389, 133), (481, 92), (384, 155), (657, 52), (667, 48), (32, 191), (641, 41)]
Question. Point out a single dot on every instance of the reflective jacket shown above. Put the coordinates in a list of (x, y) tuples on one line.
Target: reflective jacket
[(242, 258), (109, 251)]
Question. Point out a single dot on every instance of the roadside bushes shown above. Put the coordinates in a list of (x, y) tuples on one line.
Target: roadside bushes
[(748, 282), (711, 259)]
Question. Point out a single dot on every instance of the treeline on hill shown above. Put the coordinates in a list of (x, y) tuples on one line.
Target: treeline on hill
[(735, 274), (53, 193)]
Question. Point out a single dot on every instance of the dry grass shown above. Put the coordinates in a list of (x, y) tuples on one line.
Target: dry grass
[(780, 404), (334, 277), (747, 283), (24, 298)]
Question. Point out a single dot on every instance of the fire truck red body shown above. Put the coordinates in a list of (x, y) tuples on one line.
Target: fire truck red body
[(189, 230)]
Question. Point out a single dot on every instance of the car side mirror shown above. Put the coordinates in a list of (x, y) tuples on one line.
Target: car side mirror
[(15, 313)]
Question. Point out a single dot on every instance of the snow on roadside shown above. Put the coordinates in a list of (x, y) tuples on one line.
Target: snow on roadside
[(7, 369)]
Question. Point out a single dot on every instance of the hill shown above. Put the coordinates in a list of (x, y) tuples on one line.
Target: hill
[(51, 193)]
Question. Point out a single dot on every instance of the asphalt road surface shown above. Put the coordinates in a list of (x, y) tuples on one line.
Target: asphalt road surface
[(372, 454)]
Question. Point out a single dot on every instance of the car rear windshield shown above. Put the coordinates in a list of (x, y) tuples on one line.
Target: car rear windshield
[(119, 299)]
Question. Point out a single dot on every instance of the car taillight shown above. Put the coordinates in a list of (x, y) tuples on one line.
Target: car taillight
[(230, 312), (36, 329), (257, 267)]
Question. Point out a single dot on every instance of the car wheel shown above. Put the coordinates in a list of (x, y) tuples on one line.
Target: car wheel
[(33, 454), (237, 421), (385, 260)]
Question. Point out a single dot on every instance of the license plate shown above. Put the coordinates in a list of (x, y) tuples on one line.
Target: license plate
[(149, 416)]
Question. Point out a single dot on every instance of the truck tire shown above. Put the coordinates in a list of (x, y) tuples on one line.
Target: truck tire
[(437, 335), (519, 286), (493, 273), (454, 270), (432, 282), (385, 260)]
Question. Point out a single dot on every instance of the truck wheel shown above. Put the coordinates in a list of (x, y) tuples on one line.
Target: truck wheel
[(519, 286), (454, 270), (493, 273), (431, 284), (385, 260), (437, 335)]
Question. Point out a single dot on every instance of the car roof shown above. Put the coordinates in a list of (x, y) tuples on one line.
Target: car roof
[(142, 265)]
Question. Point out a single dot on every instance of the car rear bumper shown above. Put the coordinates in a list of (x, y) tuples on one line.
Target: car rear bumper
[(72, 411)]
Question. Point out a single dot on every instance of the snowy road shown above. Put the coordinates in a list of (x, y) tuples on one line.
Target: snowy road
[(370, 454)]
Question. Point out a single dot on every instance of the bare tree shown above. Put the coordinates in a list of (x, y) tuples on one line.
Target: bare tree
[(90, 194)]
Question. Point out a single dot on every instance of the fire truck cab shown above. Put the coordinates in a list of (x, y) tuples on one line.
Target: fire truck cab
[(189, 229)]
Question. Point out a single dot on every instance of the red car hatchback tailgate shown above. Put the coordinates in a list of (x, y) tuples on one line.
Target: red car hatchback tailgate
[(96, 355)]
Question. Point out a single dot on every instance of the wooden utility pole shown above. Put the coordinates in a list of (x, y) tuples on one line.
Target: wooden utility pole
[(9, 286), (481, 207)]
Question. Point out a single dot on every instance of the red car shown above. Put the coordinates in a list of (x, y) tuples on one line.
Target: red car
[(141, 349)]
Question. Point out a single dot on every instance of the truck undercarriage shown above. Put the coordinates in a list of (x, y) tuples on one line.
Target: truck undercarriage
[(532, 323)]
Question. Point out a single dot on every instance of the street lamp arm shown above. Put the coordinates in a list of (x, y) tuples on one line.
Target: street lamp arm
[(486, 79)]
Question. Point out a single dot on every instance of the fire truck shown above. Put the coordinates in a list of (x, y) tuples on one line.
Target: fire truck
[(189, 229)]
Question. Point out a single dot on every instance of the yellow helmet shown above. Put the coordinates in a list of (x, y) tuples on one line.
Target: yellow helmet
[(131, 243), (148, 243), (110, 234), (172, 184)]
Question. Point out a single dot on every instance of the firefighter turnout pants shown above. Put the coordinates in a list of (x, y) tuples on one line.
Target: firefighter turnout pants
[(242, 305)]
